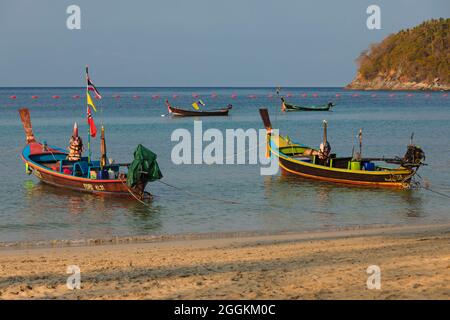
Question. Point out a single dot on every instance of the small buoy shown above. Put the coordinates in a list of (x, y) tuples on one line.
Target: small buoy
[(445, 95), (135, 97), (55, 97), (34, 97), (315, 95), (289, 95), (304, 95), (13, 97), (338, 95), (355, 95), (175, 96), (76, 97), (409, 95), (194, 95), (233, 96), (155, 96), (213, 95), (252, 96), (392, 95)]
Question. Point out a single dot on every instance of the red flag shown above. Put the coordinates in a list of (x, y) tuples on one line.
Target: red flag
[(90, 121)]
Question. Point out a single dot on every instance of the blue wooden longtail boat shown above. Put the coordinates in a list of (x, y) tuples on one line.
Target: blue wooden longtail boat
[(51, 166)]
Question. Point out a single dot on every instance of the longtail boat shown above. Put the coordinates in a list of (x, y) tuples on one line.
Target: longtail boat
[(51, 166), (291, 107), (178, 112), (70, 170), (304, 161)]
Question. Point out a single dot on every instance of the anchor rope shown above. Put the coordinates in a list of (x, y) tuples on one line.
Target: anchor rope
[(437, 192), (198, 194), (132, 193)]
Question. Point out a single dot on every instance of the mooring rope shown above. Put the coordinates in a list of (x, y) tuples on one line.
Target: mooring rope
[(132, 193), (437, 192), (198, 194)]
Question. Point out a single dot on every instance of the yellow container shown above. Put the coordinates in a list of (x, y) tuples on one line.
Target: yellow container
[(355, 165), (93, 175)]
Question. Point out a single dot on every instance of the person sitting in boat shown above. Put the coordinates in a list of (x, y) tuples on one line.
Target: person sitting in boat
[(75, 145)]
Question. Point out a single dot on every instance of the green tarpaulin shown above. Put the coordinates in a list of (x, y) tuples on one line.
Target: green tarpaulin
[(144, 167)]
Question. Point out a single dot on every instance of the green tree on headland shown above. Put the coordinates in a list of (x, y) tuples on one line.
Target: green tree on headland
[(420, 54)]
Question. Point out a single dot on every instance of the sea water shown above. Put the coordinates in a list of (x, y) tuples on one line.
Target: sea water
[(222, 198)]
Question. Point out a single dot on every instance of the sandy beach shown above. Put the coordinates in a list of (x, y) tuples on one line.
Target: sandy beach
[(414, 263)]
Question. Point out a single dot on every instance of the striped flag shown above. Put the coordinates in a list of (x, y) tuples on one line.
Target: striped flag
[(91, 86)]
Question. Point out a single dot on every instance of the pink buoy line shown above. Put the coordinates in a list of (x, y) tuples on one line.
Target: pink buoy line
[(214, 95)]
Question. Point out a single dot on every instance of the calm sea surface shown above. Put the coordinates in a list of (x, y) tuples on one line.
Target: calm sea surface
[(31, 211)]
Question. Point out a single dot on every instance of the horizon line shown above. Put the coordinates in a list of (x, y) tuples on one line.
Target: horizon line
[(238, 87)]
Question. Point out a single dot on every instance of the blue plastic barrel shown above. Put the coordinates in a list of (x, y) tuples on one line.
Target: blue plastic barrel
[(369, 166), (103, 175)]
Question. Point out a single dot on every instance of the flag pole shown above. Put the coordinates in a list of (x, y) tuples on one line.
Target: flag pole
[(89, 130)]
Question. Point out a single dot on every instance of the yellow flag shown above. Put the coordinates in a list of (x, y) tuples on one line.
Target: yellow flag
[(90, 102), (195, 105)]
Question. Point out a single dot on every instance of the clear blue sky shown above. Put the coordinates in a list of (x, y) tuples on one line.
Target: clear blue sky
[(195, 42)]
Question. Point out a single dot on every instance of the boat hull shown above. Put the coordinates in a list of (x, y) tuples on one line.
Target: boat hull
[(297, 108), (188, 113), (396, 178), (291, 107), (102, 187)]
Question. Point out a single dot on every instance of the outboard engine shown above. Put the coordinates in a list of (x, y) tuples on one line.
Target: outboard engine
[(414, 156)]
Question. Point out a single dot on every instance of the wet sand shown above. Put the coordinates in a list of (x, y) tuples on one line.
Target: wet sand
[(414, 263)]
